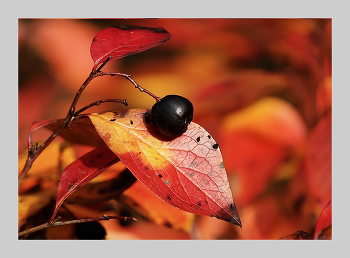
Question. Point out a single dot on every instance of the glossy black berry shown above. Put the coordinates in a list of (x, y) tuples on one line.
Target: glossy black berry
[(172, 115)]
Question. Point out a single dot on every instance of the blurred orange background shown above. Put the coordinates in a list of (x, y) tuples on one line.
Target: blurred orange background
[(261, 87)]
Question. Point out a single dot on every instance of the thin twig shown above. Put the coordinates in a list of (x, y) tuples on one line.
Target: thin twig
[(128, 77), (56, 223)]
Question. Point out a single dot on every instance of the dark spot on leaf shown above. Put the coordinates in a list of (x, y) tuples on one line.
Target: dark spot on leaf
[(221, 165), (167, 224), (146, 167), (199, 204), (160, 176), (191, 174), (123, 114), (131, 122), (194, 164), (166, 182), (215, 146), (209, 136), (112, 120), (198, 139), (124, 27), (169, 198)]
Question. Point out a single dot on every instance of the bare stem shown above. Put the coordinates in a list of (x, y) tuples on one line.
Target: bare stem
[(56, 223), (97, 103)]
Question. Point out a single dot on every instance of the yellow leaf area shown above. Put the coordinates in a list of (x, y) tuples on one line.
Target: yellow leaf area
[(45, 172), (145, 202), (30, 204), (49, 164), (126, 132), (186, 172)]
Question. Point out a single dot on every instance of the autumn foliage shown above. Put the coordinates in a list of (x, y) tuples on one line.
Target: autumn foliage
[(257, 154)]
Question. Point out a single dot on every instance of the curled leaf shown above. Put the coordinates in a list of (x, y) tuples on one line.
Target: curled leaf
[(125, 40), (186, 172)]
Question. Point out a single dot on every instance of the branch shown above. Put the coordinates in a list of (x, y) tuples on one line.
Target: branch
[(56, 223), (34, 151)]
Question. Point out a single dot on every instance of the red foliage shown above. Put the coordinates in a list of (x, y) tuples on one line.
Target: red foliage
[(121, 41), (278, 161)]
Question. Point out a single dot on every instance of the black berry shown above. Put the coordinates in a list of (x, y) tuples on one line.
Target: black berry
[(172, 115)]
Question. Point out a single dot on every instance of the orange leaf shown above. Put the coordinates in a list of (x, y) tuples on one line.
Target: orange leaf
[(256, 139), (270, 118), (186, 172)]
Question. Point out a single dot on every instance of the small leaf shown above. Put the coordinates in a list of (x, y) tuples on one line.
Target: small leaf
[(125, 40), (82, 171), (325, 220), (186, 172), (299, 235)]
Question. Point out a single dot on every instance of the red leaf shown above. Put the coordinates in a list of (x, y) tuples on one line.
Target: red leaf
[(82, 171), (125, 40), (325, 220), (186, 172)]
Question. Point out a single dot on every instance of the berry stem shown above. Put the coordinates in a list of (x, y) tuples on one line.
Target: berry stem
[(97, 103), (128, 77)]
